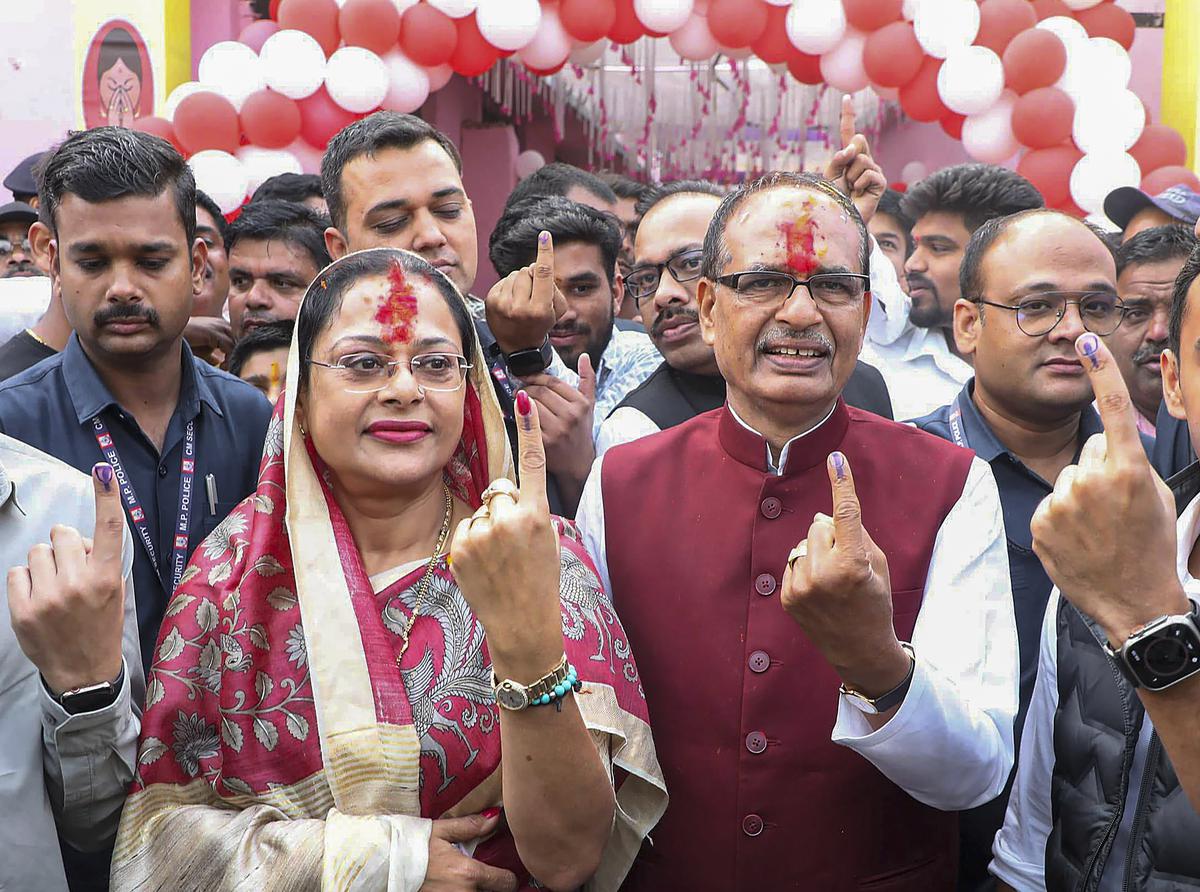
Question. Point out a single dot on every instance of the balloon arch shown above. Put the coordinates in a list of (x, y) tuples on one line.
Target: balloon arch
[(1046, 78)]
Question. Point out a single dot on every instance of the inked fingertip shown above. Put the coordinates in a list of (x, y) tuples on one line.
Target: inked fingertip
[(103, 472), (1089, 346), (839, 464)]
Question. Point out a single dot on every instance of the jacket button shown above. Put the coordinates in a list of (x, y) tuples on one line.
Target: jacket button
[(759, 661), (752, 825), (765, 584), (771, 508), (756, 742), (162, 470)]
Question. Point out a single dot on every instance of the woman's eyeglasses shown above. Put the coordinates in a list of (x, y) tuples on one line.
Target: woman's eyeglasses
[(1039, 314), (370, 372)]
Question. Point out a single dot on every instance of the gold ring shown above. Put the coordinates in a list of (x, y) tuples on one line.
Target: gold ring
[(501, 486), (482, 513), (798, 552)]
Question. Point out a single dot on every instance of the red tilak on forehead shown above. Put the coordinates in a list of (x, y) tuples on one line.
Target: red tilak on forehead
[(398, 309), (801, 236)]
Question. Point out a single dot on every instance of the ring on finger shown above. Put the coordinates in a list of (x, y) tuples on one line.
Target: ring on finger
[(798, 552), (481, 514), (500, 487)]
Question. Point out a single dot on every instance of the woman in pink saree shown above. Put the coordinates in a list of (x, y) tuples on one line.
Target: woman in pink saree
[(321, 712)]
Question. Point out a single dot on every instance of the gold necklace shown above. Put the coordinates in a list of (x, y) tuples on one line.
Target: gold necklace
[(33, 334), (423, 585)]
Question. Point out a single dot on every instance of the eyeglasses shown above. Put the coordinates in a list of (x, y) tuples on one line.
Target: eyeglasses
[(1037, 315), (370, 373), (770, 287), (684, 266), (7, 247)]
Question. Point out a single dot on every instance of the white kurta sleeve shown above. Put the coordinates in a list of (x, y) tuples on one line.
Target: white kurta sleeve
[(1020, 847), (589, 519), (950, 744), (624, 425)]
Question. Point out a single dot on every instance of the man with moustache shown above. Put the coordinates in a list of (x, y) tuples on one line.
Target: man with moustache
[(779, 778), (668, 252), (1032, 283), (16, 257), (920, 360), (185, 439)]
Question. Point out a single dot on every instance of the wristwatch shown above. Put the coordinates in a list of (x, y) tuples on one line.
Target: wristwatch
[(894, 697), (91, 697), (524, 363), (514, 696), (1161, 653)]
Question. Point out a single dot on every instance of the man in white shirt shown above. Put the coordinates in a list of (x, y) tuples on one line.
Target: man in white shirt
[(1112, 738), (919, 359)]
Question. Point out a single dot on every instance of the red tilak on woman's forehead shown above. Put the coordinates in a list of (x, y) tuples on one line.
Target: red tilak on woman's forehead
[(398, 308)]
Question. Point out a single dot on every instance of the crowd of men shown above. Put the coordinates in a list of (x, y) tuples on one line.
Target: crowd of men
[(962, 406)]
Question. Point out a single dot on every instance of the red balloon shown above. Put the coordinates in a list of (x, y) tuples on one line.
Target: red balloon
[(316, 18), (1165, 177), (952, 125), (473, 55), (546, 72), (158, 127), (1035, 58), (737, 23), (587, 20), (273, 10), (1050, 171), (1159, 146), (1070, 207), (255, 34), (371, 24), (892, 57), (207, 121), (773, 46), (270, 119), (427, 35), (870, 15), (321, 118), (1002, 20), (805, 68), (1042, 118), (626, 26), (1109, 20), (919, 97), (1044, 9)]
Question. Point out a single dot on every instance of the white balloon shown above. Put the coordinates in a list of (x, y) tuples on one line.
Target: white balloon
[(694, 42), (1077, 5), (663, 16), (945, 25), (988, 136), (1098, 173), (508, 24), (180, 93), (232, 69), (779, 2), (262, 164), (456, 9), (971, 80), (221, 176), (439, 76), (1068, 30), (589, 53), (816, 27), (1110, 122), (551, 45), (909, 11), (308, 156), (528, 162), (408, 83), (913, 172), (1109, 64), (402, 6), (293, 63), (842, 67), (357, 79)]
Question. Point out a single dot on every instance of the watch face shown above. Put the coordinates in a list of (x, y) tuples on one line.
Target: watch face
[(511, 698), (1169, 655)]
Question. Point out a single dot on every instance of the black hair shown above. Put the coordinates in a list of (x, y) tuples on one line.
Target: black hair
[(716, 252), (203, 201), (656, 194), (297, 187), (514, 241), (366, 136), (297, 224), (890, 204), (1157, 244), (269, 336), (1179, 298), (979, 192), (118, 46), (970, 271), (623, 186), (558, 179), (324, 297), (110, 163)]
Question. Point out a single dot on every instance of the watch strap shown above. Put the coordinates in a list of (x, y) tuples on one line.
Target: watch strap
[(90, 698), (1119, 654), (544, 685), (896, 695), (531, 361)]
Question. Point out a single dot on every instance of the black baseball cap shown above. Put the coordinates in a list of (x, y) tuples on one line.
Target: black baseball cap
[(21, 181), (19, 211), (1180, 202)]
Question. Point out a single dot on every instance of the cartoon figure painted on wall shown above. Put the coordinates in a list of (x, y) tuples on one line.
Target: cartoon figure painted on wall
[(118, 78)]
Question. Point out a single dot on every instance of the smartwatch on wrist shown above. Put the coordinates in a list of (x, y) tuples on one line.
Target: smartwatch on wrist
[(1161, 653), (884, 702), (90, 697), (523, 363)]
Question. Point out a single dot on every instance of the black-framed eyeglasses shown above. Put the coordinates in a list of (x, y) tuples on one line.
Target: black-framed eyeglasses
[(370, 372), (832, 290), (684, 266), (7, 247), (1038, 314)]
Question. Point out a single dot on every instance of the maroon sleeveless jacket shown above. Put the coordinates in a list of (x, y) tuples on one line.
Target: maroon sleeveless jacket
[(742, 705)]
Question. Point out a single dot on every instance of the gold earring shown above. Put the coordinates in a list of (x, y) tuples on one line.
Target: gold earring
[(303, 432)]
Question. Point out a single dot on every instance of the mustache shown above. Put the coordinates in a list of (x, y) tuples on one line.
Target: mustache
[(571, 328), (916, 280), (670, 314), (811, 335), (1149, 350), (125, 313)]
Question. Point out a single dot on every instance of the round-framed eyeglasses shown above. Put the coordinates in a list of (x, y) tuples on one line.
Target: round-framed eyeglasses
[(370, 372), (1101, 312)]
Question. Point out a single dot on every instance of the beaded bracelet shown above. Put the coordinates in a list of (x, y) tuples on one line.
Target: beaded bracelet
[(570, 683)]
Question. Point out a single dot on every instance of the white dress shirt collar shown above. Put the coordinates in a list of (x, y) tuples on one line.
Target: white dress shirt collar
[(776, 467)]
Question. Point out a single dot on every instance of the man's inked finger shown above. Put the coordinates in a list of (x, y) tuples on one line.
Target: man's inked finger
[(110, 516), (847, 515), (543, 271), (1112, 399)]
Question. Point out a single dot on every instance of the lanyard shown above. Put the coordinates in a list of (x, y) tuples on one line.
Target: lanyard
[(956, 430), (187, 473)]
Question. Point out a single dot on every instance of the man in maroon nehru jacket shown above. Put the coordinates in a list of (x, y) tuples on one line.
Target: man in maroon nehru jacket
[(819, 598)]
